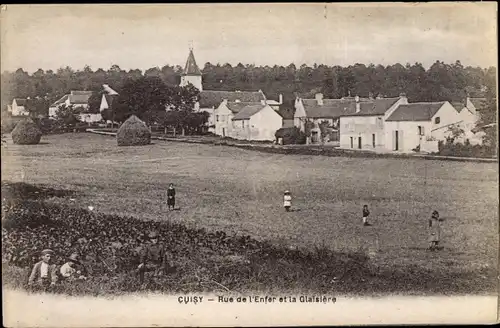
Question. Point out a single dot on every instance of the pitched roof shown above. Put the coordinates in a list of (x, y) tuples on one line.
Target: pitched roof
[(191, 68), (458, 106), (20, 101), (109, 90), (79, 99), (246, 112), (80, 93), (236, 107), (375, 107), (209, 99), (423, 111), (330, 108), (60, 101)]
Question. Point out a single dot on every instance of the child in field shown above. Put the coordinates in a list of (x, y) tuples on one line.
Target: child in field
[(366, 212), (287, 200), (434, 231), (171, 197), (44, 273), (72, 270)]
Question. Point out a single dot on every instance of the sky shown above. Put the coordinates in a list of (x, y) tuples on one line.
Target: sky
[(145, 36)]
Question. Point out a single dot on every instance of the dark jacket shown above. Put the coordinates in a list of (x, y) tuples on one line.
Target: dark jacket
[(171, 193)]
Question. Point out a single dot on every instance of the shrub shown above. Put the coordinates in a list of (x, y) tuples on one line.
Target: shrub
[(26, 132), (465, 150), (133, 132), (291, 135)]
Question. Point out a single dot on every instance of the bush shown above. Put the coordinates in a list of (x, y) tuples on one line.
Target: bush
[(133, 132), (291, 135), (465, 150), (26, 132)]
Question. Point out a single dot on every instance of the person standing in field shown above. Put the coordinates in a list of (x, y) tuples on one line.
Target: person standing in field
[(171, 197), (434, 231), (287, 200), (366, 213), (44, 273)]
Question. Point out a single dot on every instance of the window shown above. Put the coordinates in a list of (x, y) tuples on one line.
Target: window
[(242, 124), (352, 142), (217, 118), (379, 122), (373, 140), (437, 120)]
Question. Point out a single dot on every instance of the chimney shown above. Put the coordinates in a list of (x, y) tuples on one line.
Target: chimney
[(356, 98), (224, 101), (281, 99), (263, 102), (370, 96), (319, 98)]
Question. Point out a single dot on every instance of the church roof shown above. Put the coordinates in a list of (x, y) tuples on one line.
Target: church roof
[(191, 67)]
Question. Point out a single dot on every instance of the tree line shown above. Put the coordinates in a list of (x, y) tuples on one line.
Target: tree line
[(441, 81)]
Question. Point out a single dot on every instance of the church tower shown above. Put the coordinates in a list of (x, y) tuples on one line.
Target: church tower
[(191, 73)]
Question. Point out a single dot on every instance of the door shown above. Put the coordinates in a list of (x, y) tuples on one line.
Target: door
[(352, 143), (373, 140), (223, 132), (396, 140), (359, 142)]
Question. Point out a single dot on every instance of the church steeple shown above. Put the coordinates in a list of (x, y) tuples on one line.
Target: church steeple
[(191, 73)]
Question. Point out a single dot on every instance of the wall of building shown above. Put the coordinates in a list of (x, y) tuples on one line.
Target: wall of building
[(261, 126), (408, 135), (448, 116), (19, 110), (365, 127), (223, 121)]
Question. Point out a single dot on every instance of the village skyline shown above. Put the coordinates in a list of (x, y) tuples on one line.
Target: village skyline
[(270, 34)]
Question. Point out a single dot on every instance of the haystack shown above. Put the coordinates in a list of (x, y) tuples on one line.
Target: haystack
[(26, 132), (133, 132)]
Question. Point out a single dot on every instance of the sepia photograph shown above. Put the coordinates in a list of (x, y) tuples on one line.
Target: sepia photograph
[(249, 164)]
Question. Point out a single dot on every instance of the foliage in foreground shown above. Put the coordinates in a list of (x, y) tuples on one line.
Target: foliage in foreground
[(200, 261), (26, 132)]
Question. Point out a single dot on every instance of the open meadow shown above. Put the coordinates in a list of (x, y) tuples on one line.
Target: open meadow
[(240, 191)]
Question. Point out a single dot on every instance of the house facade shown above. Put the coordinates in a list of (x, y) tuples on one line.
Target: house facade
[(77, 99), (18, 107), (209, 100), (365, 128), (420, 126), (318, 111), (247, 120)]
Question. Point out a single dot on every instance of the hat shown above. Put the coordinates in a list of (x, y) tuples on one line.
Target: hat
[(287, 191), (74, 257), (47, 251)]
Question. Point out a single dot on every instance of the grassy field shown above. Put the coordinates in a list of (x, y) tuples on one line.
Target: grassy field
[(235, 190)]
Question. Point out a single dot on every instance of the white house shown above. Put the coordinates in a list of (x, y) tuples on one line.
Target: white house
[(320, 110), (365, 127), (18, 107), (419, 125), (247, 120), (209, 100), (77, 99)]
